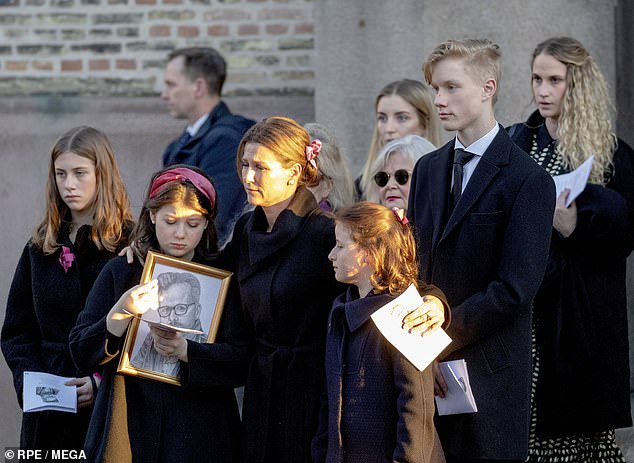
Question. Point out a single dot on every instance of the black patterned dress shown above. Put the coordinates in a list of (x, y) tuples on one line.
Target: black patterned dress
[(579, 447)]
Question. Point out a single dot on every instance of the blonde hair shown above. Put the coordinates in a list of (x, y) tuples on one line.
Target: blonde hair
[(412, 147), (333, 165), (420, 97), (287, 140), (584, 126), (482, 59), (111, 206), (388, 242)]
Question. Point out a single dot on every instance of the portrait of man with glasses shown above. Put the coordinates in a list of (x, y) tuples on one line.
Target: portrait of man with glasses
[(179, 296)]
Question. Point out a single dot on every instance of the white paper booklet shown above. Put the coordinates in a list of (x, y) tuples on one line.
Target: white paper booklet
[(459, 397), (43, 391), (420, 350), (575, 180)]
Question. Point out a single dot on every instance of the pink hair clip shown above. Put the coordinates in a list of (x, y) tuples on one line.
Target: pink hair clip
[(400, 215), (312, 151)]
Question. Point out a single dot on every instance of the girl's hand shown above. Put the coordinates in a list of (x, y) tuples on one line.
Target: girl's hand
[(140, 298), (426, 317), (127, 252), (135, 301), (565, 218), (169, 343), (85, 394)]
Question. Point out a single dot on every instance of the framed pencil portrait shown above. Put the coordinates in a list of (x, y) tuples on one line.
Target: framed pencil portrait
[(192, 298)]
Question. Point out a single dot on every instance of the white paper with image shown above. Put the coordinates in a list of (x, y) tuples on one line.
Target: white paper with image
[(420, 350), (43, 391), (459, 397)]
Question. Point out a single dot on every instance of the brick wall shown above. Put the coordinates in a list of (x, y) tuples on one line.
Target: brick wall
[(118, 47)]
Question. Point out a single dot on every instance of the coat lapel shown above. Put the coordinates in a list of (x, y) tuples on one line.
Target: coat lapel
[(439, 175)]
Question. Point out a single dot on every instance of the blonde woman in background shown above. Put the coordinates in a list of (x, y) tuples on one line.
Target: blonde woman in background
[(335, 189), (403, 107), (580, 350)]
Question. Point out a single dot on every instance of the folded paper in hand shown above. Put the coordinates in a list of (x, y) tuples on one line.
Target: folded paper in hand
[(420, 350), (43, 391), (575, 181), (459, 397)]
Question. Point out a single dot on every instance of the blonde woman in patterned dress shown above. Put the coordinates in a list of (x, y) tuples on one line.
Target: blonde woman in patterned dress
[(580, 352)]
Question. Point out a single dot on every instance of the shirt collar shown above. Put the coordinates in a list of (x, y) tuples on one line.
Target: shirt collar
[(195, 127), (479, 146)]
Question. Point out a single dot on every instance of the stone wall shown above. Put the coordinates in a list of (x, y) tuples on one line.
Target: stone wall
[(118, 47)]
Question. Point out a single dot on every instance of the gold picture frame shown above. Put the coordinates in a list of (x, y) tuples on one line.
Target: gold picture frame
[(201, 308)]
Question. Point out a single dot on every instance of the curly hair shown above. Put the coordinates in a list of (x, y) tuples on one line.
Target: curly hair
[(183, 191), (420, 97), (389, 243), (111, 206), (585, 124)]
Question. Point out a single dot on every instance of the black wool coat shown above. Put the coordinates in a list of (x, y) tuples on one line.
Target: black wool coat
[(197, 421), (581, 307), (489, 258), (379, 407), (42, 307), (286, 286)]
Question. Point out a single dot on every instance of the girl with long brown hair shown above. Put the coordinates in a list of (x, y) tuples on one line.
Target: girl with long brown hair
[(86, 221)]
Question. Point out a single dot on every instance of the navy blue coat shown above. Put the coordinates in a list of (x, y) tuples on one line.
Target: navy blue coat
[(379, 407), (151, 420), (42, 308), (581, 307), (213, 149), (488, 258)]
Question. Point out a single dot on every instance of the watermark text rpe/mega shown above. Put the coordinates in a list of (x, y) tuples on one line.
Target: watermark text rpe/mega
[(15, 454)]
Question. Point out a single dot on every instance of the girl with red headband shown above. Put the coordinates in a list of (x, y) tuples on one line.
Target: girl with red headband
[(149, 421)]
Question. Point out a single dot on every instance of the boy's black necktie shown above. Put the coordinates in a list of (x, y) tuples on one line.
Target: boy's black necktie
[(461, 157)]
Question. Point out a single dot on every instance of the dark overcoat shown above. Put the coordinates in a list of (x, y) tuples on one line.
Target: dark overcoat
[(379, 407), (213, 149), (42, 307), (488, 258), (581, 308), (286, 287), (148, 420)]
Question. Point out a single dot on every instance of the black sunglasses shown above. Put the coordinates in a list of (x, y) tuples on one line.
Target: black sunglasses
[(401, 176)]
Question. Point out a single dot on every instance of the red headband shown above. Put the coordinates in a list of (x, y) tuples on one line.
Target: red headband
[(180, 173)]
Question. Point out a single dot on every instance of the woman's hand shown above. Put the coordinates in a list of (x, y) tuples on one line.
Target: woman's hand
[(426, 317), (135, 301), (85, 394), (565, 218), (169, 343)]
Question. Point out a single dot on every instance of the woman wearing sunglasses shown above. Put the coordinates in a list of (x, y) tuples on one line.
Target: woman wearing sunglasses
[(392, 169)]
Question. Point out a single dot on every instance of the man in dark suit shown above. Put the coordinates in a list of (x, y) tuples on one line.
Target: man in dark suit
[(193, 83), (482, 215)]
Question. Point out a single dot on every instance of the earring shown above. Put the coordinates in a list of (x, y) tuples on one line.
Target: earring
[(291, 182)]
